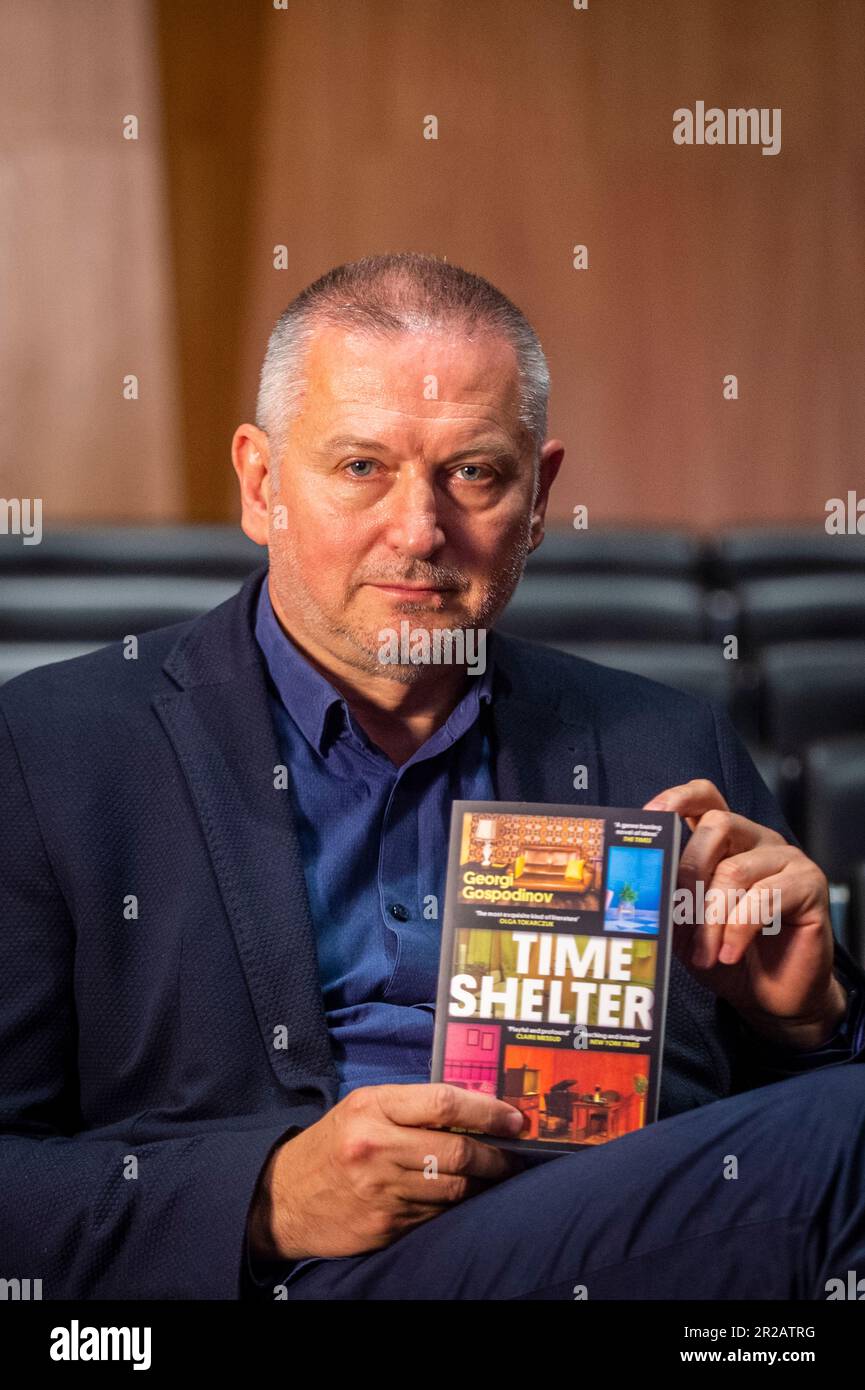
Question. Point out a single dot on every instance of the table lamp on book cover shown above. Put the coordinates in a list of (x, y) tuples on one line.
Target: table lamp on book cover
[(486, 833)]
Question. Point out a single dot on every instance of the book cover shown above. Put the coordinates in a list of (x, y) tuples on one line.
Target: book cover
[(555, 964)]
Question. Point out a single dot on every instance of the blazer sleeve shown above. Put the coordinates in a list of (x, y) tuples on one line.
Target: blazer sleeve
[(756, 1062), (75, 1210)]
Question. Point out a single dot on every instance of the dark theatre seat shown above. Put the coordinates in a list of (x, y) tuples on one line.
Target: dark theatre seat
[(801, 607), (811, 690), (834, 780), (604, 550), (856, 925), (755, 552), (698, 668), (18, 657), (605, 608), (91, 608), (834, 828), (207, 551)]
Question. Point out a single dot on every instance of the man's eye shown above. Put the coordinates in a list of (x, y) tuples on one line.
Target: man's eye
[(362, 468)]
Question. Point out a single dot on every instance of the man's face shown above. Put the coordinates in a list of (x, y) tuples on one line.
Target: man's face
[(391, 505)]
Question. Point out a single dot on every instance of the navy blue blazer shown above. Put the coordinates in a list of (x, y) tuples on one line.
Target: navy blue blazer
[(161, 1025)]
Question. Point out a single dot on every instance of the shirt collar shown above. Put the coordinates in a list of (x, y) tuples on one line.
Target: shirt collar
[(309, 697)]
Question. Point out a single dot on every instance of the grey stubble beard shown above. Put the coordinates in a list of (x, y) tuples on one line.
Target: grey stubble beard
[(363, 645)]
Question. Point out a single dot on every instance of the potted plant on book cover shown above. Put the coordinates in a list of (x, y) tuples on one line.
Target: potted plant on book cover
[(627, 899)]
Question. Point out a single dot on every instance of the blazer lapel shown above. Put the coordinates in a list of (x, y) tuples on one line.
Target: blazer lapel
[(220, 725), (541, 746)]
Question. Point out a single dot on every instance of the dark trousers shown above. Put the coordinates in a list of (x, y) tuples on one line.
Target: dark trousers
[(757, 1196)]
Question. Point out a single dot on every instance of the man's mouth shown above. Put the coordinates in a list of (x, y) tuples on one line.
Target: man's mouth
[(417, 589)]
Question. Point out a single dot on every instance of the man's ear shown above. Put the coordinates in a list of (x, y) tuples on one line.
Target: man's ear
[(549, 464), (250, 455)]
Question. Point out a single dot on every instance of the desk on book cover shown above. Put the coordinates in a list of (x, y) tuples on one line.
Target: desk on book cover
[(611, 1108)]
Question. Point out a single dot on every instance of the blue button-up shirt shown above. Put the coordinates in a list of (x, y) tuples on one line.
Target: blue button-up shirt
[(374, 841)]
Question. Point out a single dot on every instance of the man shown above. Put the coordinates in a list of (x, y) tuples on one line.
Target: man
[(217, 976)]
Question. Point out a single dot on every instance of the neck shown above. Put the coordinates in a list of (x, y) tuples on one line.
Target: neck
[(399, 718)]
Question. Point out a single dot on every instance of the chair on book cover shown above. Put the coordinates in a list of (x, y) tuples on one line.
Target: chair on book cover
[(555, 1118), (521, 1081)]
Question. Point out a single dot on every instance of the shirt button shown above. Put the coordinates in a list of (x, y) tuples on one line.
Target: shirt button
[(399, 912)]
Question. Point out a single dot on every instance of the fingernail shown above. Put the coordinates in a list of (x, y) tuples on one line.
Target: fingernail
[(515, 1122), (727, 953)]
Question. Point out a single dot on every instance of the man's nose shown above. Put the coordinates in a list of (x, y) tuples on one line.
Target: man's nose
[(413, 525)]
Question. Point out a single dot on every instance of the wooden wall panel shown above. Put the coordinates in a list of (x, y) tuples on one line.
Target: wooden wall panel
[(303, 126), (555, 127), (85, 272), (209, 58)]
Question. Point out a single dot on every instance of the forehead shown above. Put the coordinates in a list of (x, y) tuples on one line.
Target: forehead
[(433, 380)]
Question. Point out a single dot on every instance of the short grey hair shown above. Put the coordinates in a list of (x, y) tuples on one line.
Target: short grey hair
[(385, 295)]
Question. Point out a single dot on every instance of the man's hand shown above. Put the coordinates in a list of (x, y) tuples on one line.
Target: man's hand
[(356, 1179), (781, 982)]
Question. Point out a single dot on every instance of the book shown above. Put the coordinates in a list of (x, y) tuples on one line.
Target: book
[(555, 965)]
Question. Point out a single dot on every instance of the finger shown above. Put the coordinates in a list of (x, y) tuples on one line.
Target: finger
[(689, 800), (746, 922), (721, 835), (797, 894), (424, 1195), (436, 1105), (743, 897), (448, 1155), (434, 1168), (729, 885)]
